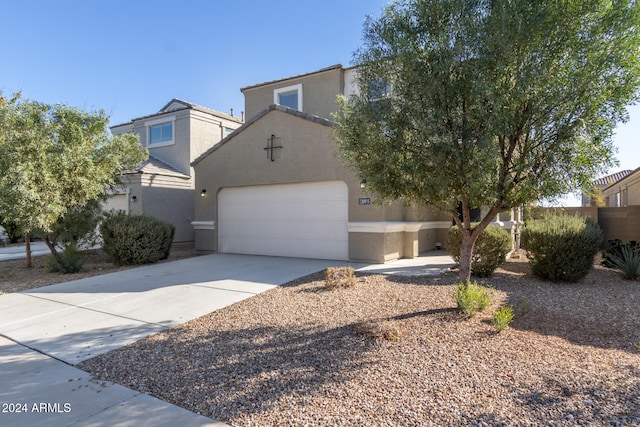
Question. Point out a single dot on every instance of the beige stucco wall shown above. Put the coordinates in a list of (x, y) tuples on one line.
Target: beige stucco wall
[(194, 133), (171, 198), (309, 154), (319, 93), (167, 198)]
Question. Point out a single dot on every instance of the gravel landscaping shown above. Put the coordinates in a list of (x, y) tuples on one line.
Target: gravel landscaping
[(394, 351)]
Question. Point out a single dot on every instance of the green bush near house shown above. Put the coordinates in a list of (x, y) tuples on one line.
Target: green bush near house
[(136, 239), (489, 251), (71, 257), (561, 247)]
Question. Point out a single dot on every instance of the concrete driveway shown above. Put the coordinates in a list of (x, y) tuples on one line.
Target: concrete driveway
[(44, 332)]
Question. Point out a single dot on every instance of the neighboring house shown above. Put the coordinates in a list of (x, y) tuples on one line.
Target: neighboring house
[(602, 183), (276, 186), (625, 191), (163, 186)]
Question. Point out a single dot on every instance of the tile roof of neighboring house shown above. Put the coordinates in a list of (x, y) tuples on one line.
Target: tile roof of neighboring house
[(628, 174), (187, 106), (611, 179), (276, 107), (333, 67), (155, 166)]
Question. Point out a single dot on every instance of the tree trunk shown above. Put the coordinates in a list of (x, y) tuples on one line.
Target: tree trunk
[(56, 255), (466, 250), (469, 237), (27, 246)]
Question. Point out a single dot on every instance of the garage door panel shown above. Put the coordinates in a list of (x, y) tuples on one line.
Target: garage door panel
[(299, 220), (116, 202)]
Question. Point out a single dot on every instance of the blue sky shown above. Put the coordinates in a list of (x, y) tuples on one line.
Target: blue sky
[(131, 57)]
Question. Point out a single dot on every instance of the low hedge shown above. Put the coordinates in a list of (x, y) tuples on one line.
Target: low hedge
[(136, 239), (561, 247)]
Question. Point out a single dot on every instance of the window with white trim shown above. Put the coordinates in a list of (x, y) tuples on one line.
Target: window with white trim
[(161, 132), (290, 96), (379, 89)]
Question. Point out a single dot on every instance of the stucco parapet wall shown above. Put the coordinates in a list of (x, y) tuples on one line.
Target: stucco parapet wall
[(395, 226), (203, 225), (270, 108), (332, 67)]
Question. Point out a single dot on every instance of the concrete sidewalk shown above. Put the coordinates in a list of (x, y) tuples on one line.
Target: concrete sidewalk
[(45, 331)]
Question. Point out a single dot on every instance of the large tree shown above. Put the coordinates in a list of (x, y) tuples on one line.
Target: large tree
[(489, 103), (54, 160)]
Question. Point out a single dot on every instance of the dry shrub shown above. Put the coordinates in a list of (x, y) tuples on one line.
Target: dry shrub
[(383, 330), (340, 277)]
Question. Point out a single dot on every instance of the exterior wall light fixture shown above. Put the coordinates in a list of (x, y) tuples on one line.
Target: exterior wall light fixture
[(363, 183), (203, 193), (134, 199)]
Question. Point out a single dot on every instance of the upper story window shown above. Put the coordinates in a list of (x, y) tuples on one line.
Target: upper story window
[(379, 89), (290, 96), (227, 132), (160, 132)]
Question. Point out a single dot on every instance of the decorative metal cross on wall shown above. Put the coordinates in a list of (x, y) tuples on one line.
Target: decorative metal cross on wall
[(271, 148)]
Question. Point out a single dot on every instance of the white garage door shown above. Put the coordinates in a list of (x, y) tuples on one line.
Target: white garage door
[(298, 220), (118, 202)]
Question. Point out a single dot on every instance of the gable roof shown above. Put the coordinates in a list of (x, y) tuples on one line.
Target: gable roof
[(177, 104), (608, 180), (333, 67), (273, 107), (155, 166)]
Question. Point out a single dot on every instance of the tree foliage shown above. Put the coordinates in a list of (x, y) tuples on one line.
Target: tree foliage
[(54, 160), (494, 103)]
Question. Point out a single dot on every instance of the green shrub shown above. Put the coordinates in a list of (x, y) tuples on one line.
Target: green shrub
[(13, 232), (627, 262), (472, 298), (614, 250), (502, 318), (489, 251), (561, 247), (72, 258), (136, 239), (340, 277)]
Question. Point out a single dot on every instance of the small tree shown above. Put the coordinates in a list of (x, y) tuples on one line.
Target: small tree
[(79, 225), (54, 160), (493, 103)]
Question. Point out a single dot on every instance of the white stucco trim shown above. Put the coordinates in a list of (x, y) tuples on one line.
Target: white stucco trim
[(294, 88), (430, 225), (395, 226), (161, 120), (507, 225), (203, 225), (167, 119)]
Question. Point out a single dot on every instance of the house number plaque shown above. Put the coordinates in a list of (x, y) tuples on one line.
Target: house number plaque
[(364, 201)]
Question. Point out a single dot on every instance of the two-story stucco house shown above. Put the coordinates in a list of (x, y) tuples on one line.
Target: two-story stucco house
[(163, 186), (276, 186)]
